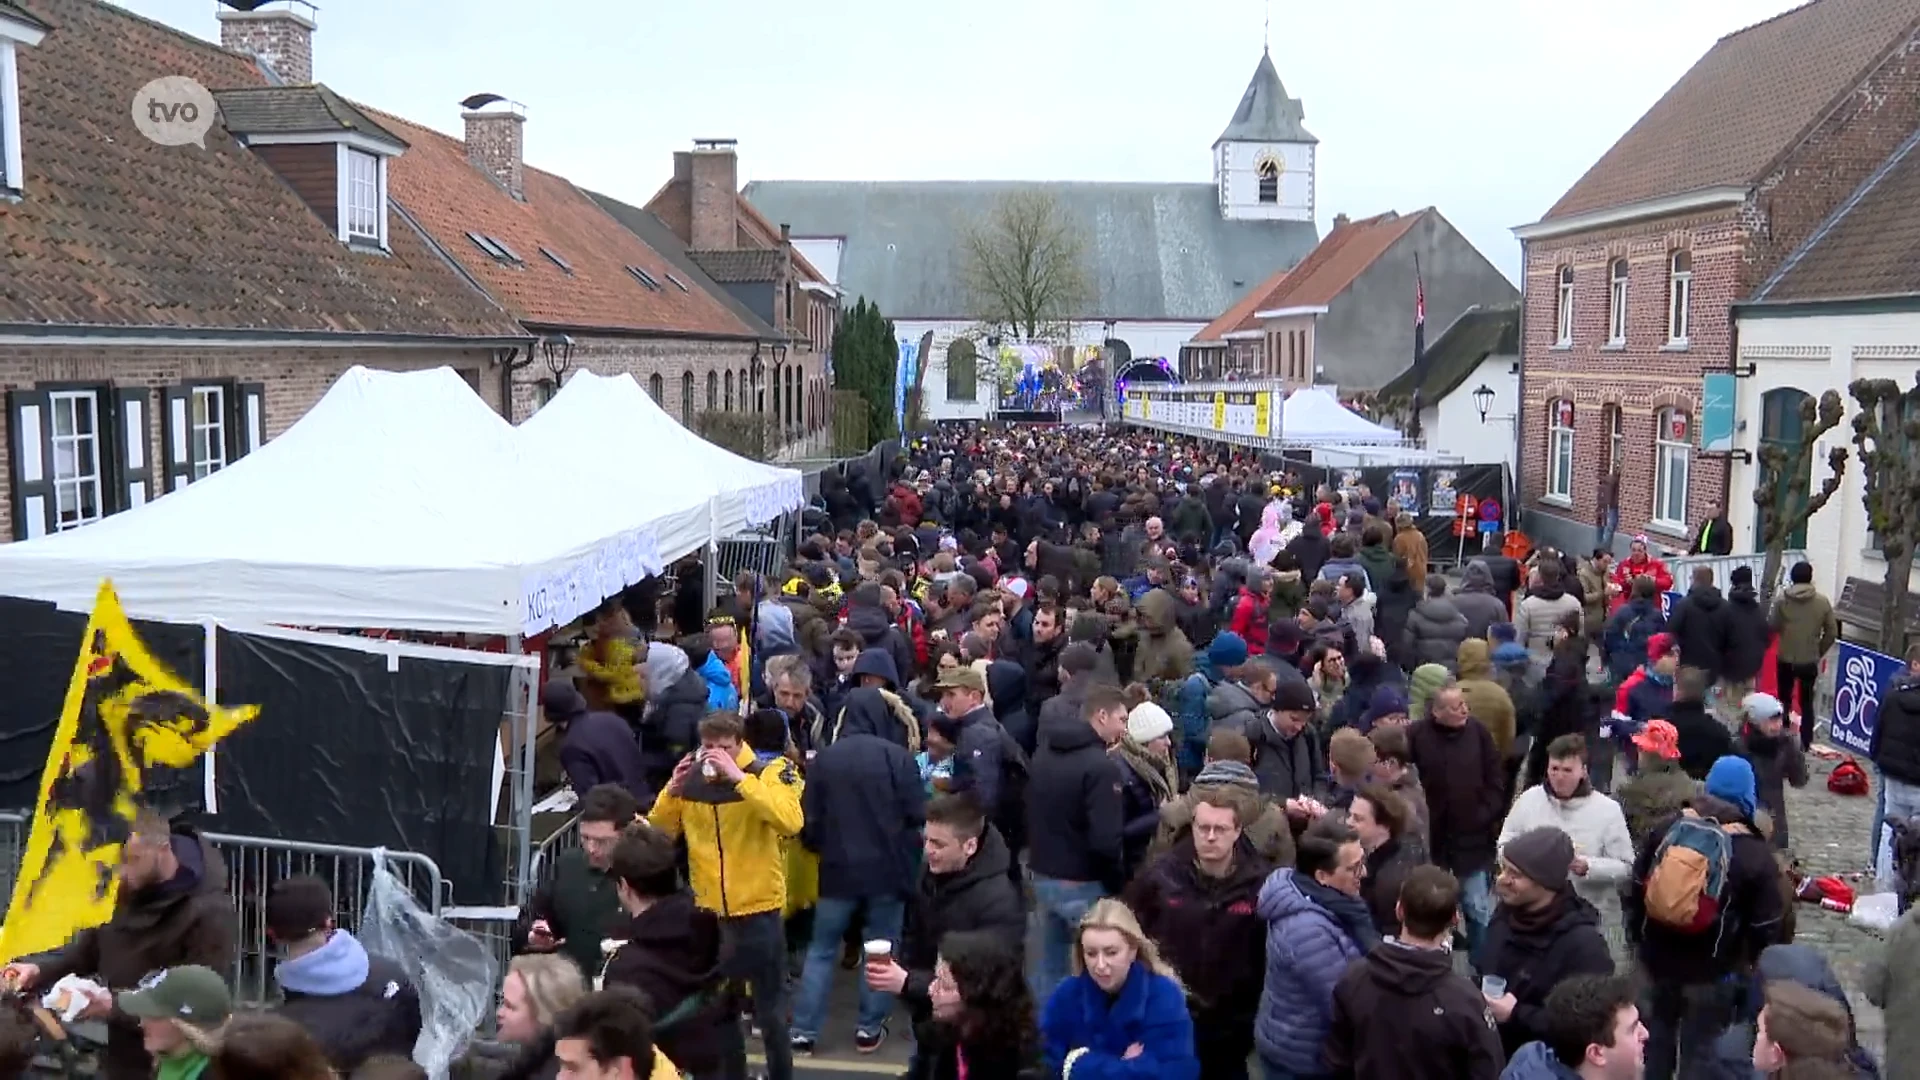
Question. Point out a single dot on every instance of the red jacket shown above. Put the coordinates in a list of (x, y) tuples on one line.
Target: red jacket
[(1626, 687), (1626, 570), (1250, 620)]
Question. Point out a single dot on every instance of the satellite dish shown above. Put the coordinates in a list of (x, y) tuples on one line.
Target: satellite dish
[(477, 101)]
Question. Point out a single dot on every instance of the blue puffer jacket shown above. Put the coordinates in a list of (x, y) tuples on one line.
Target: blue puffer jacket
[(1195, 723), (1151, 1010), (1307, 951), (1535, 1062)]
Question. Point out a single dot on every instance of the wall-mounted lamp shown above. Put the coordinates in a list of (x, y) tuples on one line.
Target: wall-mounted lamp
[(1483, 401), (558, 351)]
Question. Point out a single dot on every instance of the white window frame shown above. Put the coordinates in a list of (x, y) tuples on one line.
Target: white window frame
[(207, 429), (12, 167), (1560, 450), (344, 191), (63, 467), (1616, 438), (1617, 273), (1679, 298), (1672, 464), (1563, 310), (362, 209)]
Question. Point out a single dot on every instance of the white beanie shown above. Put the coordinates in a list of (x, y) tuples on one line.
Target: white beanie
[(1148, 722)]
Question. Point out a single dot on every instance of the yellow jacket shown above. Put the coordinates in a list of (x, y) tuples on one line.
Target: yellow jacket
[(663, 1069), (736, 850)]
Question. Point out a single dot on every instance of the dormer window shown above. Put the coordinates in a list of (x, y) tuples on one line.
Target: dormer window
[(333, 155), (17, 28), (363, 212)]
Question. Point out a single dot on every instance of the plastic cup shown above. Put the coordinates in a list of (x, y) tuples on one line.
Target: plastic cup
[(879, 951), (1492, 986)]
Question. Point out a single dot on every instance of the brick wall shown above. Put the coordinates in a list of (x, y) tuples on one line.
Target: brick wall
[(671, 359), (496, 145), (282, 38), (294, 380), (714, 192)]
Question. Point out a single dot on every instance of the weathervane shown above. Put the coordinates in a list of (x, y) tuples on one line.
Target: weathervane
[(1266, 30)]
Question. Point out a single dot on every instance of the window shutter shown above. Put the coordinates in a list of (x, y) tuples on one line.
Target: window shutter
[(30, 470), (133, 406), (176, 436), (252, 426)]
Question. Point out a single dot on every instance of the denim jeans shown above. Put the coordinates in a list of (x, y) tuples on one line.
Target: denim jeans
[(1897, 802), (1603, 533), (831, 917), (1476, 907), (1682, 1023), (1059, 905), (757, 955)]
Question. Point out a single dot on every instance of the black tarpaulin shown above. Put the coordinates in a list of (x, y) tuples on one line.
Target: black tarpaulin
[(1429, 492)]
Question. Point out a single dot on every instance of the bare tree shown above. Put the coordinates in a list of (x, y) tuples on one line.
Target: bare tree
[(1025, 266), (1886, 438), (1786, 474)]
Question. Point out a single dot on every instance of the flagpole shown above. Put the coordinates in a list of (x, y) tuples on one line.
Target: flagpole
[(1419, 346)]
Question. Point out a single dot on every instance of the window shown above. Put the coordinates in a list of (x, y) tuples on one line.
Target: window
[(656, 388), (499, 251), (644, 278), (1560, 450), (1563, 309), (1616, 438), (729, 400), (565, 266), (16, 29), (1269, 173), (746, 392), (76, 472), (686, 398), (207, 426), (963, 371), (364, 206), (1617, 303), (1673, 450), (713, 390), (677, 283), (1679, 297)]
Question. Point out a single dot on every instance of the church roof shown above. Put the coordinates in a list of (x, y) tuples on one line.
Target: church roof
[(1266, 114), (1156, 251)]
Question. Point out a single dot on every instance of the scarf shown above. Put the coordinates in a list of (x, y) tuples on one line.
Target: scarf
[(1158, 774), (1349, 911), (1529, 921)]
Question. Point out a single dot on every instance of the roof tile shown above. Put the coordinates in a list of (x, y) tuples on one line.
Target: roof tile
[(1872, 246), (738, 265), (295, 110), (1744, 103), (1324, 274), (115, 230)]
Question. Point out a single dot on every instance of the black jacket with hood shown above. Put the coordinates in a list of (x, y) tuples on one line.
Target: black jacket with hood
[(672, 953), (1896, 738), (1750, 916), (1803, 964), (864, 805), (1208, 928), (1535, 960), (1435, 628), (1402, 1012), (1699, 626), (1310, 549), (877, 631), (354, 1005), (1747, 634), (1074, 815), (878, 710), (978, 896)]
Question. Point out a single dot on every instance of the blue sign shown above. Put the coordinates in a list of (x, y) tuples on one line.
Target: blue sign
[(1667, 600), (1858, 687), (1716, 412)]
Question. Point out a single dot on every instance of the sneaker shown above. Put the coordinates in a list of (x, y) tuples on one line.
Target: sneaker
[(801, 1044), (868, 1041)]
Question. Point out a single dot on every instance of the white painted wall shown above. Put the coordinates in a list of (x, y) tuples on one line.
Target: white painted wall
[(823, 252), (1452, 426), (1235, 170), (1816, 353)]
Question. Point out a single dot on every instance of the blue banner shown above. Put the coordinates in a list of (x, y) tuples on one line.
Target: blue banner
[(1667, 600), (1859, 684), (1717, 412), (903, 379)]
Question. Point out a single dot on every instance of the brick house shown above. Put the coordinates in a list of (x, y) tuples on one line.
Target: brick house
[(1628, 279), (165, 309)]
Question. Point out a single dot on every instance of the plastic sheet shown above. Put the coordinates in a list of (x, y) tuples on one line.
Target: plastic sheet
[(453, 971)]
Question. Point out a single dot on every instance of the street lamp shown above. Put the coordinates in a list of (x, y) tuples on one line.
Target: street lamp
[(559, 354), (1483, 400)]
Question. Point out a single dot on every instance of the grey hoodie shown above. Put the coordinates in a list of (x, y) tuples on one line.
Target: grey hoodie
[(1478, 601)]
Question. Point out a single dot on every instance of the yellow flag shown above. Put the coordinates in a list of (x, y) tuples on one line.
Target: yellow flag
[(125, 716)]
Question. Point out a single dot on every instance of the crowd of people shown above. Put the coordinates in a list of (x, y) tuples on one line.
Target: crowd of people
[(1094, 756)]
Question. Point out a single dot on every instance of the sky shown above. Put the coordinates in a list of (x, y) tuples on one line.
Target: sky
[(1486, 109)]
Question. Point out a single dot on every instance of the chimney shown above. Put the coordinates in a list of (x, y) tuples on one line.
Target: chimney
[(280, 38), (716, 187), (1341, 219), (496, 142)]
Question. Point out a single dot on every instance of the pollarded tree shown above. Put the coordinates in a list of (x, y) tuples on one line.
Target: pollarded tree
[(1782, 495), (1886, 437)]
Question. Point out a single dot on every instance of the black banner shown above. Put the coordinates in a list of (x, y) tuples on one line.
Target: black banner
[(1433, 494)]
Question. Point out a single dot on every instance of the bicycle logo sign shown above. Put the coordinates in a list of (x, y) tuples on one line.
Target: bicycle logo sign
[(1863, 676)]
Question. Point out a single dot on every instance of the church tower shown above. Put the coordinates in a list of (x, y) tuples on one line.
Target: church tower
[(1263, 164)]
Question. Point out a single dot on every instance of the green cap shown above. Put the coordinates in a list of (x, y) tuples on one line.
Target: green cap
[(195, 994)]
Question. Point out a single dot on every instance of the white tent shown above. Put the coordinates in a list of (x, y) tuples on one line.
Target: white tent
[(399, 501), (1314, 417)]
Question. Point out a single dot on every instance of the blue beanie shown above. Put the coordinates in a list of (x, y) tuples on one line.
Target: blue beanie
[(1731, 780), (1228, 650), (1502, 633), (1511, 654)]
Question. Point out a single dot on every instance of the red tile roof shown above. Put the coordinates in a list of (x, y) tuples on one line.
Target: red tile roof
[(450, 198), (1341, 256), (1750, 99), (673, 205), (1872, 246), (115, 230)]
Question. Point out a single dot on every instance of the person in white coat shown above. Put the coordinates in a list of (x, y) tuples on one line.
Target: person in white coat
[(1602, 845)]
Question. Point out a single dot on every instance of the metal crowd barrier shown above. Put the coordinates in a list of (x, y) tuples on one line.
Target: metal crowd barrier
[(15, 826), (1723, 566), (547, 855)]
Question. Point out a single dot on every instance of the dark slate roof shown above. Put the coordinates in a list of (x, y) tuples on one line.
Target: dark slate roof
[(1266, 114), (117, 231), (656, 235), (1160, 251), (739, 264), (1870, 247), (1479, 332), (296, 110)]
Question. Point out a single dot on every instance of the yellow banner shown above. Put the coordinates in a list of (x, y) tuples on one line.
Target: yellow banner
[(1262, 412), (1219, 412), (125, 714)]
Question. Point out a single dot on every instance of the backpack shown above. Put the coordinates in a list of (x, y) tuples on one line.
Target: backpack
[(1687, 886), (1848, 778)]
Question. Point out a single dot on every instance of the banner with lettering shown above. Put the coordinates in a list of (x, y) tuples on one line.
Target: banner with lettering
[(127, 727), (1859, 685)]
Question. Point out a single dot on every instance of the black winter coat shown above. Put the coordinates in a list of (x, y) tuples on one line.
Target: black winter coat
[(1465, 781), (1309, 549), (1896, 739), (1435, 629), (599, 748), (1750, 917), (379, 1016), (1699, 626), (1747, 634), (1535, 961), (1387, 868), (1073, 807), (672, 953), (1402, 1012), (1209, 929), (670, 727), (978, 896), (1703, 738), (865, 805)]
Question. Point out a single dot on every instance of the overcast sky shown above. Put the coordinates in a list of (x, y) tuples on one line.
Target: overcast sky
[(1487, 109)]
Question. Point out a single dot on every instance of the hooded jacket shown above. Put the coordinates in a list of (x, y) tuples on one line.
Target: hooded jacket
[(1231, 704), (1537, 617), (1750, 915), (1207, 927), (1703, 738), (1747, 635), (1149, 1012), (1777, 761), (1402, 1012), (1308, 949), (736, 844), (1699, 625), (877, 631), (1435, 629), (1074, 815), (676, 703), (187, 919), (671, 952), (864, 806), (1896, 736), (1807, 966), (1163, 653), (1804, 620), (1487, 700), (1478, 600), (1535, 959), (354, 1005), (1286, 767), (1653, 796), (1310, 549)]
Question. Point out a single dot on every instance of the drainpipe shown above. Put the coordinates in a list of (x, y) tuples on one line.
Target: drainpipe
[(1733, 368), (509, 365), (1515, 497)]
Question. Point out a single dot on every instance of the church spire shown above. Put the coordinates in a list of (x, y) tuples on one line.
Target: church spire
[(1266, 114)]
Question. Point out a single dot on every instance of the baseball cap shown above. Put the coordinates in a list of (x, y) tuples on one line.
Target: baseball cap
[(964, 677), (1761, 706), (195, 994), (1660, 737), (1015, 585), (1659, 645)]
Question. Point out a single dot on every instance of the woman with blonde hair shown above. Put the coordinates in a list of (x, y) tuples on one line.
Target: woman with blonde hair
[(538, 988), (1123, 1003)]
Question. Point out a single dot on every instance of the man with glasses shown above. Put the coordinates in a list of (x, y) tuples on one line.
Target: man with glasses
[(1541, 934), (572, 911), (1317, 925)]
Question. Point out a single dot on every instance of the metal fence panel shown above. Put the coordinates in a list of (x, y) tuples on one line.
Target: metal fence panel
[(1723, 566)]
